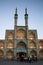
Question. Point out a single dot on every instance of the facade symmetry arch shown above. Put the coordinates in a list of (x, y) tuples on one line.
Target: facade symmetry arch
[(10, 54), (1, 54), (31, 35), (10, 35), (33, 52), (40, 44), (41, 53), (32, 44), (21, 47), (1, 45), (21, 34), (10, 44)]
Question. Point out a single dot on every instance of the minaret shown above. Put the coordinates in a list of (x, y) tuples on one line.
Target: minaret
[(26, 17), (16, 17)]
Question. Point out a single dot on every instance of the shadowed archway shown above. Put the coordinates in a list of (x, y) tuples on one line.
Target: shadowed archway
[(21, 49), (33, 52), (10, 54), (41, 54), (1, 54)]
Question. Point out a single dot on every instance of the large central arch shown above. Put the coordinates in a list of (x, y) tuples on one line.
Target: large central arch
[(21, 49)]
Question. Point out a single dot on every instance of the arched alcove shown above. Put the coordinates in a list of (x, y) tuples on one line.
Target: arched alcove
[(10, 54), (41, 53), (21, 34), (40, 44), (1, 45), (10, 35), (32, 44), (31, 35), (10, 44), (1, 54), (33, 52), (21, 45)]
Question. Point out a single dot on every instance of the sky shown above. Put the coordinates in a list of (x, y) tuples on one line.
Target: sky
[(35, 15)]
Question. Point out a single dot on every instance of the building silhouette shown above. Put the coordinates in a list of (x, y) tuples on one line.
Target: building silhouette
[(21, 41)]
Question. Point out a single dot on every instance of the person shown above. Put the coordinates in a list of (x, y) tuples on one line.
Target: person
[(30, 59), (33, 58), (25, 59), (36, 58)]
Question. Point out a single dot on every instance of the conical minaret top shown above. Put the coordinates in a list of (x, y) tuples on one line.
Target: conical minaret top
[(26, 11), (16, 11), (15, 17), (26, 17)]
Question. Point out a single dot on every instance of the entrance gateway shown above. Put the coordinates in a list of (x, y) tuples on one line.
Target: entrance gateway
[(21, 50), (21, 53)]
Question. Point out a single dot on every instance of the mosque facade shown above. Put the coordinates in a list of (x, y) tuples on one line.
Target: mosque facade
[(21, 41)]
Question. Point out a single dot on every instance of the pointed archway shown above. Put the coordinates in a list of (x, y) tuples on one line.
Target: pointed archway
[(41, 54), (10, 54), (1, 54), (33, 52), (21, 49)]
